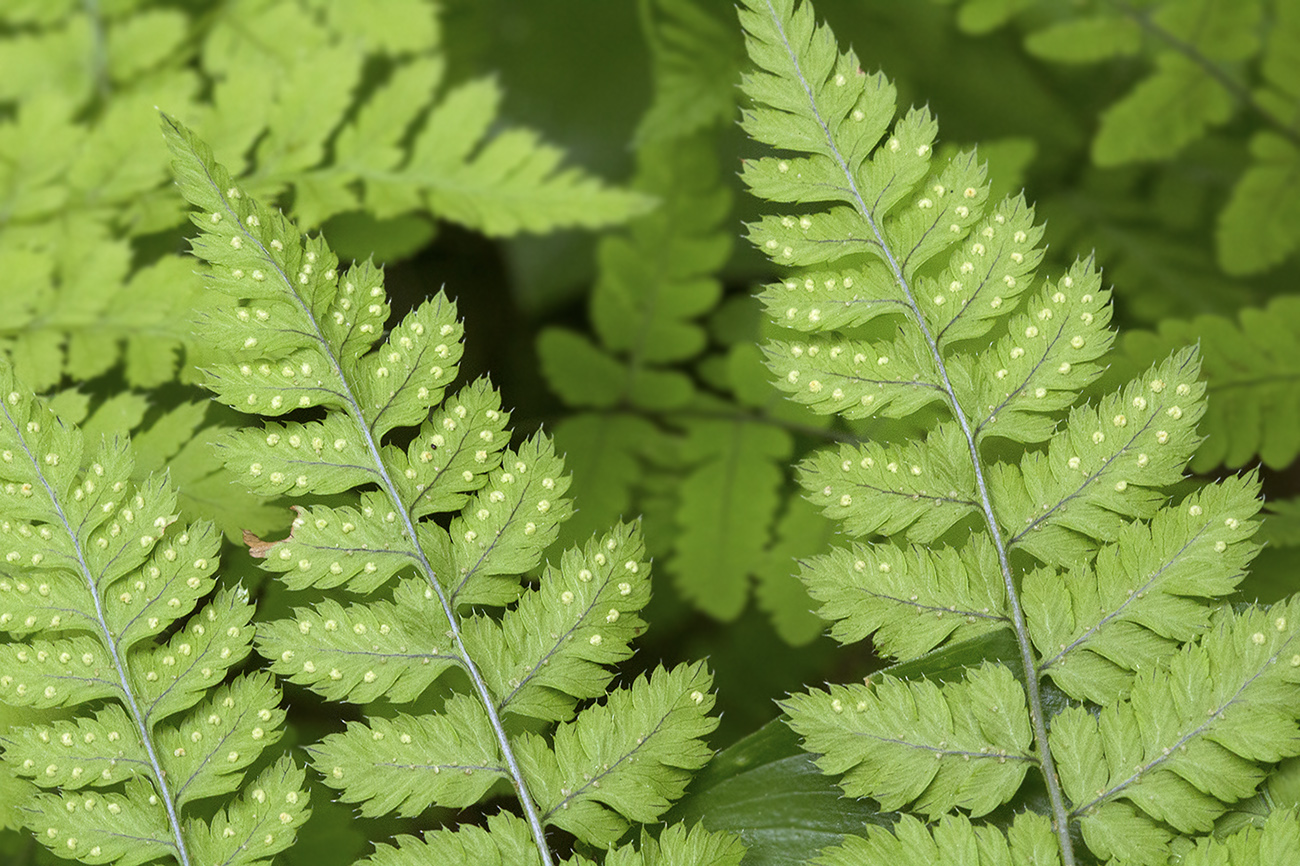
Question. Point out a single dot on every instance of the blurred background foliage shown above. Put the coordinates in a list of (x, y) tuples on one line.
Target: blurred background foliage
[(567, 170)]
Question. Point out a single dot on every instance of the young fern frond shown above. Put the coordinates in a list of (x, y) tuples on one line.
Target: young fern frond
[(1020, 508), (433, 521), (110, 605)]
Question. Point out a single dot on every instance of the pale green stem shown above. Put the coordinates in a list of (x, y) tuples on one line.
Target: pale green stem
[(128, 695), (353, 410), (1032, 688)]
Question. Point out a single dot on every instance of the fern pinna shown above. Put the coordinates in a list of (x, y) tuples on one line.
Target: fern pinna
[(431, 521), (109, 601), (1022, 508)]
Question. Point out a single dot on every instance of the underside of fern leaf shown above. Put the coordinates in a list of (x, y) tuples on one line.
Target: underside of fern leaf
[(1021, 508), (113, 620), (432, 521)]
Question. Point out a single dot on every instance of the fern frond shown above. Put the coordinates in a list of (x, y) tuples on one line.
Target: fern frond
[(1278, 839), (910, 601), (801, 531), (967, 744), (431, 523), (1028, 842), (505, 842), (1095, 626), (64, 321), (1281, 526), (503, 185), (359, 115), (1253, 366), (111, 607), (180, 440), (1189, 739), (1018, 506), (728, 503)]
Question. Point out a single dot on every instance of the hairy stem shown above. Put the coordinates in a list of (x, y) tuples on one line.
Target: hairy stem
[(353, 410), (1033, 691)]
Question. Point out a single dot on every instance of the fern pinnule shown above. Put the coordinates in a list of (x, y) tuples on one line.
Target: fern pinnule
[(432, 521), (1020, 507), (110, 605)]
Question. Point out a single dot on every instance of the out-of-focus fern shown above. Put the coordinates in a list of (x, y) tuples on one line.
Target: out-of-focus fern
[(1210, 60), (663, 399), (1020, 507), (334, 109), (111, 613), (1253, 367), (431, 523), (696, 62), (1282, 526)]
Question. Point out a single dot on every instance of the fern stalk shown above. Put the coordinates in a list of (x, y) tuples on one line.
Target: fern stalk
[(306, 337), (355, 414), (480, 686), (110, 641), (1059, 812), (146, 736), (99, 573)]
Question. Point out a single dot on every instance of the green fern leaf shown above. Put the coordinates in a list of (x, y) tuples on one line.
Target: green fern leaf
[(180, 440), (1181, 99), (1095, 627), (358, 115), (1282, 524), (1254, 381), (63, 320), (966, 744), (428, 592), (1086, 40), (911, 601), (800, 532), (1257, 227), (1016, 507), (543, 657), (981, 16), (1028, 842), (677, 846), (605, 454), (697, 58), (1189, 738), (1278, 839), (1162, 114), (504, 842), (373, 764), (625, 760), (727, 506), (110, 603)]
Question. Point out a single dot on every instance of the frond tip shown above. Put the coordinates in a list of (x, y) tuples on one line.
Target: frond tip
[(110, 603)]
